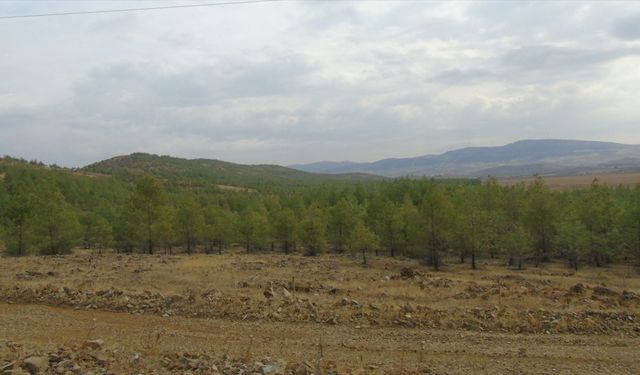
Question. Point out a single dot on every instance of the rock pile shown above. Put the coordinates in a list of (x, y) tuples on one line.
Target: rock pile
[(280, 304), (92, 358), (65, 360)]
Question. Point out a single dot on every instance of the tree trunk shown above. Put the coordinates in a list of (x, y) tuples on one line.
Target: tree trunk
[(20, 240), (473, 259)]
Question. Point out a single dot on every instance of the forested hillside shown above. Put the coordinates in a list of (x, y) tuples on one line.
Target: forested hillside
[(116, 205), (207, 173)]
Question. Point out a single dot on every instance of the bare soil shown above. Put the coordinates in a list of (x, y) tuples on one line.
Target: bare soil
[(268, 313)]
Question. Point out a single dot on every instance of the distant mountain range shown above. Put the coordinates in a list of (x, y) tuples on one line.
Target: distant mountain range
[(522, 158)]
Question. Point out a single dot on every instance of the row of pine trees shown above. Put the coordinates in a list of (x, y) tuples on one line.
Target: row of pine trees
[(47, 212)]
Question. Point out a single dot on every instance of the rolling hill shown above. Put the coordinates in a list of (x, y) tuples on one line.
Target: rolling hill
[(210, 171), (522, 158)]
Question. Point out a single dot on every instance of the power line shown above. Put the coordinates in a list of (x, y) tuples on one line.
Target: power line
[(137, 9)]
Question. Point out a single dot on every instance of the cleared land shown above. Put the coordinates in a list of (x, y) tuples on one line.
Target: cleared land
[(580, 181), (274, 313)]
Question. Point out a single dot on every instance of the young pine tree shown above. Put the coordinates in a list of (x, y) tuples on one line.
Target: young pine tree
[(361, 240), (56, 225), (18, 206), (147, 205), (190, 222), (313, 231), (438, 219)]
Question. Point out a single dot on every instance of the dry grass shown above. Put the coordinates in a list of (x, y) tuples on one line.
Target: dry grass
[(580, 181)]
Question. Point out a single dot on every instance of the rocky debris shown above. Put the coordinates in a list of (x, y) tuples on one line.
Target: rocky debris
[(30, 275), (269, 293), (474, 290), (7, 367), (408, 273), (272, 367), (284, 306), (198, 363), (36, 364), (292, 286), (603, 291), (435, 282), (579, 288), (94, 344), (82, 359), (630, 296), (286, 294)]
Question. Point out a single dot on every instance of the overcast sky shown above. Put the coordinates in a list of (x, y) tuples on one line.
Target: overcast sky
[(293, 82)]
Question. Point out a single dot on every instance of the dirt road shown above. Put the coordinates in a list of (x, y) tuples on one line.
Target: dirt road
[(388, 350)]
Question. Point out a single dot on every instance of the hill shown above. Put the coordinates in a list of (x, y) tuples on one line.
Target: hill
[(522, 158), (215, 172)]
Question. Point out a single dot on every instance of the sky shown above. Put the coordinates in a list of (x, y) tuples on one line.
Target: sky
[(303, 81)]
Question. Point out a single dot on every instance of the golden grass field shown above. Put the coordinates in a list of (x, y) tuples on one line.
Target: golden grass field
[(580, 181), (327, 314)]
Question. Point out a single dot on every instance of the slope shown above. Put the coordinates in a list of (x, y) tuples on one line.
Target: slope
[(201, 172)]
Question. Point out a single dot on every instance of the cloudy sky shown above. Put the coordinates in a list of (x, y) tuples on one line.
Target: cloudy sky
[(290, 82)]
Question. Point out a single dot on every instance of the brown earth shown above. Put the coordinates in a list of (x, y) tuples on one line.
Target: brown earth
[(240, 313)]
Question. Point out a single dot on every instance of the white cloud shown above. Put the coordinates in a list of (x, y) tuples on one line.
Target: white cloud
[(297, 82)]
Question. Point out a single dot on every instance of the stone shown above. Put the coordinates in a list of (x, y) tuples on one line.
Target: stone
[(626, 295), (94, 344), (7, 367), (577, 289), (272, 368), (407, 273), (286, 293), (603, 291), (268, 293), (36, 365)]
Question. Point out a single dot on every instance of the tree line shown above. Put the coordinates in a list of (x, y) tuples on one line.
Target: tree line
[(48, 211)]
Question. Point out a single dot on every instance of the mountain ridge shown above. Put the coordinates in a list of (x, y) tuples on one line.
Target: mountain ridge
[(203, 171), (520, 158)]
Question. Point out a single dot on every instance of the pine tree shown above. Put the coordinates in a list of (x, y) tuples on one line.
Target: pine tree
[(56, 225), (254, 228), (148, 203), (540, 216), (190, 222), (18, 206), (342, 221), (362, 239), (572, 237), (438, 219), (313, 231), (631, 225), (391, 229), (599, 213), (286, 228), (518, 243)]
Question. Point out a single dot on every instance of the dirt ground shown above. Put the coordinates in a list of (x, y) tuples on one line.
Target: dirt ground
[(267, 313)]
